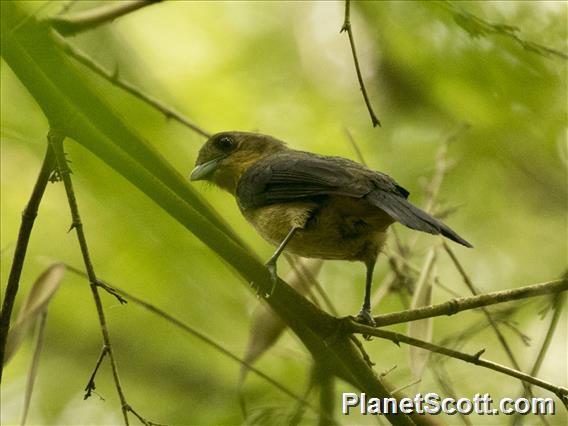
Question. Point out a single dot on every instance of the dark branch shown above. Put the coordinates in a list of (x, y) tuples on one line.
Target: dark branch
[(28, 218), (476, 359), (91, 384), (56, 142), (196, 333), (347, 27)]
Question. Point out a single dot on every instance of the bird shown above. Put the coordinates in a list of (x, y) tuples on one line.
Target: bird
[(311, 205)]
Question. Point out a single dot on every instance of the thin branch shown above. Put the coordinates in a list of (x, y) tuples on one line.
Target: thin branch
[(395, 255), (326, 384), (114, 78), (196, 333), (310, 280), (432, 190), (347, 27), (558, 305), (557, 313), (32, 373), (298, 412), (397, 338), (489, 317), (56, 143), (404, 387), (364, 353), (91, 383), (355, 146), (454, 306), (476, 27), (81, 21), (28, 217), (144, 421), (445, 383)]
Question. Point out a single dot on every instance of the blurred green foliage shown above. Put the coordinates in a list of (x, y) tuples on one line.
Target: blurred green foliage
[(283, 68)]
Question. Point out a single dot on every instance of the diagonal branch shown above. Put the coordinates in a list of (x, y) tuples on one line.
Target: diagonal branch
[(397, 338), (56, 143), (115, 79), (92, 18), (456, 305), (558, 304), (492, 322), (191, 330), (477, 27), (347, 27), (28, 218)]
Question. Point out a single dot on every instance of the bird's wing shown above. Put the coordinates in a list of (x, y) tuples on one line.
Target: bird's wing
[(297, 176), (285, 177)]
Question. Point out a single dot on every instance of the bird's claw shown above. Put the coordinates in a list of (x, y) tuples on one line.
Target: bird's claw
[(364, 317)]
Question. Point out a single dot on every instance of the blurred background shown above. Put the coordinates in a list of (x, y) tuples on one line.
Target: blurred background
[(283, 68)]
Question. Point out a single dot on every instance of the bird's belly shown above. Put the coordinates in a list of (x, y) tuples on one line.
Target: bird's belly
[(332, 230)]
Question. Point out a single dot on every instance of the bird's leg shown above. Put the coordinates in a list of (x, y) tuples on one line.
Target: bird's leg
[(271, 264), (365, 315)]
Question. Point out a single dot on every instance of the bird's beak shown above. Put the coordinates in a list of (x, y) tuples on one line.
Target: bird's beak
[(203, 171)]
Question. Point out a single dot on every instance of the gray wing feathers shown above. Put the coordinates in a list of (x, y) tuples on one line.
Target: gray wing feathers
[(402, 211)]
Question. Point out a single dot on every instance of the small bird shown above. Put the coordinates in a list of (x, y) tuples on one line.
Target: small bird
[(312, 205)]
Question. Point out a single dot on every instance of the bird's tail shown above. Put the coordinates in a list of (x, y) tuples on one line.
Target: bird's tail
[(409, 215)]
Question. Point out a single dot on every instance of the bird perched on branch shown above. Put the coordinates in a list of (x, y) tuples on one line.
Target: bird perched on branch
[(312, 205)]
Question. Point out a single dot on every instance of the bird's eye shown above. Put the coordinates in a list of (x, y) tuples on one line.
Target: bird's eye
[(225, 143)]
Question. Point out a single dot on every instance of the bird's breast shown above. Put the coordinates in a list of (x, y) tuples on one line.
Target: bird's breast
[(334, 227)]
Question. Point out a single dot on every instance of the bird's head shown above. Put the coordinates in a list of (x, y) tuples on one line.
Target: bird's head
[(227, 155)]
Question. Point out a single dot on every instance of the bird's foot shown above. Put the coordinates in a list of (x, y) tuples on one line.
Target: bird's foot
[(365, 317), (271, 266)]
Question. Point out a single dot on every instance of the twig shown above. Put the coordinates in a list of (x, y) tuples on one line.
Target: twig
[(388, 371), (114, 78), (476, 26), (558, 304), (403, 387), (32, 373), (56, 143), (414, 268), (364, 353), (355, 146), (557, 313), (489, 317), (492, 322), (144, 421), (92, 18), (303, 278), (347, 27), (310, 280), (398, 338), (454, 306), (326, 397), (196, 333), (298, 413), (443, 379), (91, 383), (28, 217)]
